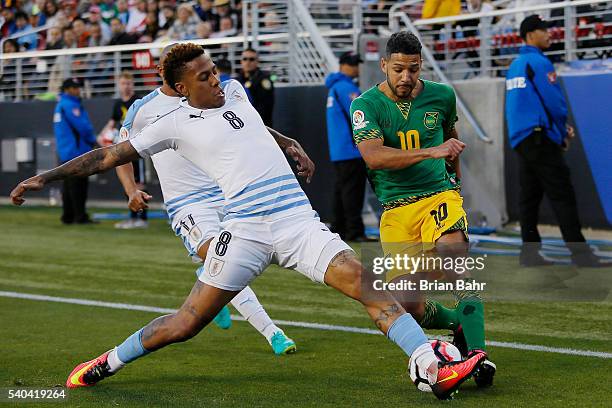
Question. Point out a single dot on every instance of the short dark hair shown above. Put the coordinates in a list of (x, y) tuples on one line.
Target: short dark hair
[(224, 65), (403, 42), (21, 14), (176, 60), (250, 49)]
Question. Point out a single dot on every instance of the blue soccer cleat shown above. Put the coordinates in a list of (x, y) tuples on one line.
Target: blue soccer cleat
[(223, 319), (281, 344)]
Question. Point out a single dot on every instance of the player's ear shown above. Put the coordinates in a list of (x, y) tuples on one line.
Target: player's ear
[(383, 65), (182, 89)]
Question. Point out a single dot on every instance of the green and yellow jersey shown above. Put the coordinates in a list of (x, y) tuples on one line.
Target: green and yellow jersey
[(416, 124)]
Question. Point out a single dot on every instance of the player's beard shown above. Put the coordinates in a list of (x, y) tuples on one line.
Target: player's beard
[(394, 90)]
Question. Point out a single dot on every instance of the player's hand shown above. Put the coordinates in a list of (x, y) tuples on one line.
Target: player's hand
[(570, 132), (451, 149), (138, 201), (305, 166), (32, 184)]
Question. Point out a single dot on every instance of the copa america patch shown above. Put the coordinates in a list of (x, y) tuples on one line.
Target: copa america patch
[(215, 267), (359, 121), (124, 134)]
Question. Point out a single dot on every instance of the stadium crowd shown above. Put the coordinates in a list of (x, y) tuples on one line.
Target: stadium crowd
[(76, 24)]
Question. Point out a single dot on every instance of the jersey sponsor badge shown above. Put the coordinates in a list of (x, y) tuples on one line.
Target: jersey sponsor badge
[(266, 84), (552, 77), (215, 267), (124, 134), (76, 112), (359, 121), (430, 120)]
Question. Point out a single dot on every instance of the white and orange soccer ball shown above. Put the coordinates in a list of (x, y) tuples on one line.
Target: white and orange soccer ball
[(444, 351)]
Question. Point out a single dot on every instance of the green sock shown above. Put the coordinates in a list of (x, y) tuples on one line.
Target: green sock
[(470, 313), (438, 317)]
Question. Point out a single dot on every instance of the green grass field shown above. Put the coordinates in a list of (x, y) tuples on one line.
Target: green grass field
[(42, 341)]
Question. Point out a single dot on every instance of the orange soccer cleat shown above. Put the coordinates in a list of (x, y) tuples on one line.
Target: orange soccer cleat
[(451, 375), (89, 373)]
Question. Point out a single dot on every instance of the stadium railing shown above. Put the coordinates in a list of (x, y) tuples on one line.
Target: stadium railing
[(484, 44), (290, 45)]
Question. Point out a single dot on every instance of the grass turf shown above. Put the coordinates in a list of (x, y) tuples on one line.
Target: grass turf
[(42, 341)]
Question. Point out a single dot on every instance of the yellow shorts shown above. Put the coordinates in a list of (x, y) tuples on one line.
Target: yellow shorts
[(414, 228)]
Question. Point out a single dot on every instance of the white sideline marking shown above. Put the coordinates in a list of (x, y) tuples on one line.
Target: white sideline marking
[(318, 326)]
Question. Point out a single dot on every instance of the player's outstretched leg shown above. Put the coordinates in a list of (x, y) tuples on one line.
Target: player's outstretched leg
[(344, 273), (247, 304), (469, 336), (201, 306)]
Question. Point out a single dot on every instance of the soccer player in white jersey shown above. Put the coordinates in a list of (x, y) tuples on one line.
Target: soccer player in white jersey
[(194, 204), (268, 218)]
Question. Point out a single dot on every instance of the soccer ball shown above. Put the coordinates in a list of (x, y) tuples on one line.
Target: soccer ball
[(444, 351)]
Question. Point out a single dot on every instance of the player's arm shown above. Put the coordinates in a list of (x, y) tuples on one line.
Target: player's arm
[(95, 161), (448, 135), (292, 147), (380, 157), (137, 199)]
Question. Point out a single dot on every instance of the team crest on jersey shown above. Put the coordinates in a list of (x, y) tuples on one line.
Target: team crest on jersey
[(552, 77), (359, 121), (430, 120), (195, 234), (76, 112), (215, 267)]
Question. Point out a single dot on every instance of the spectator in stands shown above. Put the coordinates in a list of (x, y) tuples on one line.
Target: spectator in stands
[(28, 41), (38, 17), (54, 41), (109, 10), (74, 136), (184, 27), (119, 36), (80, 32), (350, 169), (226, 28), (204, 30), (536, 113), (96, 39), (137, 18), (259, 84), (151, 27), (50, 13), (123, 12), (166, 20), (204, 10), (68, 37), (95, 17), (7, 80), (69, 10), (441, 8), (224, 68), (8, 27), (224, 9)]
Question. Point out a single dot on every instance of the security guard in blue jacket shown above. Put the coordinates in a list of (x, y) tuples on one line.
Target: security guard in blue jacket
[(74, 136), (536, 113), (349, 167)]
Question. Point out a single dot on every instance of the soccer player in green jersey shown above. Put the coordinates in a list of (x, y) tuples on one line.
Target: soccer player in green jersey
[(404, 128)]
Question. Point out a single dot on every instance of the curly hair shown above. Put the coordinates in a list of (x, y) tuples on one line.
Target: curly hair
[(175, 62), (403, 42)]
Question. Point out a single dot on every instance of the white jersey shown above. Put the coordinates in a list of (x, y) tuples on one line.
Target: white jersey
[(233, 146), (182, 183)]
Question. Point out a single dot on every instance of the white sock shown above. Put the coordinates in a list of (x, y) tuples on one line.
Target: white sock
[(249, 307), (427, 362), (113, 361)]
